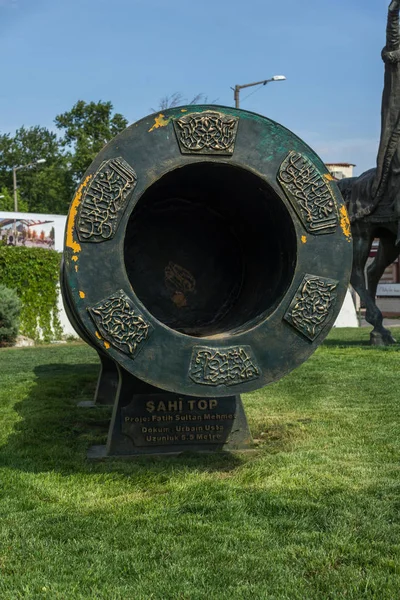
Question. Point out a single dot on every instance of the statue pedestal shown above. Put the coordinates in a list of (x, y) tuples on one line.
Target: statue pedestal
[(160, 423)]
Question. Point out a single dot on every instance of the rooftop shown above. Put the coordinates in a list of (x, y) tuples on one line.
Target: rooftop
[(339, 164)]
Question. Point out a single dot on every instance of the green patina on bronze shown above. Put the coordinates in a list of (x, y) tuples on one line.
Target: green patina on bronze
[(185, 261)]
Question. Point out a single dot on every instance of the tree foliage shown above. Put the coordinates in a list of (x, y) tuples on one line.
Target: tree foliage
[(43, 188), (178, 99), (7, 200), (86, 128), (48, 187)]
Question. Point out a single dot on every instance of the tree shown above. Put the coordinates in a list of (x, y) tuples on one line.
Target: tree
[(177, 99), (87, 127), (47, 187), (10, 310), (7, 201)]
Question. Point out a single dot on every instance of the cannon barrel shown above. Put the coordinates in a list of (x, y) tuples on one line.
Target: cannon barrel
[(207, 253)]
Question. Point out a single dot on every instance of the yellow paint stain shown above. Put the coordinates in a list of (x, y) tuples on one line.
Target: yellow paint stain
[(183, 109), (82, 294), (329, 177), (75, 257), (304, 239), (106, 344), (159, 121), (344, 222), (73, 211)]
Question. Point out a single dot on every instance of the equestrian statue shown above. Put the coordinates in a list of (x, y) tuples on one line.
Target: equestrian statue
[(373, 198)]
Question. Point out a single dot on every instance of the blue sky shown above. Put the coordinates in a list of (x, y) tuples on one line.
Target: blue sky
[(133, 52)]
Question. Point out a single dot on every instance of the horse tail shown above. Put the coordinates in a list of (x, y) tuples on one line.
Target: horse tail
[(345, 186)]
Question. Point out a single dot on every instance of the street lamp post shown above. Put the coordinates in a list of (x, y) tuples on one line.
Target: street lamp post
[(15, 189), (237, 88), (39, 161)]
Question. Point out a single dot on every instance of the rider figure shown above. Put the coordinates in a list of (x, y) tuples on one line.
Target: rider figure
[(387, 178)]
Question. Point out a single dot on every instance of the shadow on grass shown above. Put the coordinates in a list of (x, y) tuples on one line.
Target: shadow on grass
[(338, 343), (331, 343), (350, 338), (53, 433)]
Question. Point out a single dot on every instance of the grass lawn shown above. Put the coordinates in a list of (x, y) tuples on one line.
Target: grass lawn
[(313, 513)]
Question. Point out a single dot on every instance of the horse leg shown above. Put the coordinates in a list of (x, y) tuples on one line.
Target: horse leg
[(362, 245), (386, 255)]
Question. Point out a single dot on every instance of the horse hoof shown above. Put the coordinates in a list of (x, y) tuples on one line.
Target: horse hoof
[(381, 339)]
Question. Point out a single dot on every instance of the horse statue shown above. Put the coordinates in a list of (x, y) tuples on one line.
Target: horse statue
[(382, 224), (373, 198)]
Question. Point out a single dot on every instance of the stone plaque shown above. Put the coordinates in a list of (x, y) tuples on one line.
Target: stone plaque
[(159, 420), (167, 423)]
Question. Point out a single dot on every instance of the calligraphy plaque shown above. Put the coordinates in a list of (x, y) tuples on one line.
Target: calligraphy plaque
[(311, 306), (206, 133), (309, 193), (121, 323), (223, 366), (104, 201)]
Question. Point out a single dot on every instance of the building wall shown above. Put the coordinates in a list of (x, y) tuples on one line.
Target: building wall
[(388, 294), (340, 170)]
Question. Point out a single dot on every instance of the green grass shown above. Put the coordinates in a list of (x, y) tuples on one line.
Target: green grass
[(313, 513)]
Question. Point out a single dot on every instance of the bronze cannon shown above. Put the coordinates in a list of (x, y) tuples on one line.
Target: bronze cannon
[(207, 254)]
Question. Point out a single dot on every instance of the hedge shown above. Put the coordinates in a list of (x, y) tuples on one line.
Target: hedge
[(34, 274)]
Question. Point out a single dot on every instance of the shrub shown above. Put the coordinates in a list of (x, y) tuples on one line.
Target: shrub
[(10, 309), (34, 274)]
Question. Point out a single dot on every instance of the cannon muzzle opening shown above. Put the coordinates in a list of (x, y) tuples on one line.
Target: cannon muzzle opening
[(210, 249)]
